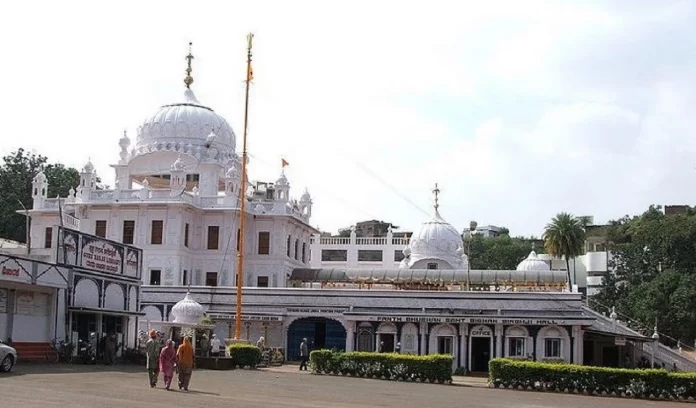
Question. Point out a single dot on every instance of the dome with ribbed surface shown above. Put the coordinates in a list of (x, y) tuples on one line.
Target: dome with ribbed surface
[(188, 311), (436, 240), (533, 263), (185, 125)]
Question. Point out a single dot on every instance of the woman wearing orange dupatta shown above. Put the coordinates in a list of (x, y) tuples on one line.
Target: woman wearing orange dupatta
[(184, 363)]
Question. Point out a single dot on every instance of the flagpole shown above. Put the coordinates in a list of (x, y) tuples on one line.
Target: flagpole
[(242, 195)]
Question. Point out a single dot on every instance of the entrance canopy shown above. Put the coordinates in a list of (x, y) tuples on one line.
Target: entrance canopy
[(445, 276)]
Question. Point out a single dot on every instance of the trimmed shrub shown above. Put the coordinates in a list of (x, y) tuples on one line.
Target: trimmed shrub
[(388, 366), (245, 355), (591, 380)]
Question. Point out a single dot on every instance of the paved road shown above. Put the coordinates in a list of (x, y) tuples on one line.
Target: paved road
[(34, 386)]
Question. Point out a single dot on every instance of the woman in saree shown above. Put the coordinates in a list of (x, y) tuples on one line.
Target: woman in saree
[(167, 360), (184, 362)]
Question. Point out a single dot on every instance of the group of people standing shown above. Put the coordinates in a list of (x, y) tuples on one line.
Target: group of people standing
[(167, 359), (210, 348)]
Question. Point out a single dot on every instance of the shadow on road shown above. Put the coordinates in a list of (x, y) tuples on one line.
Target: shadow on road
[(29, 368)]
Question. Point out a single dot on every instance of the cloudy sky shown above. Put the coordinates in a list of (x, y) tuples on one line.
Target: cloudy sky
[(519, 110)]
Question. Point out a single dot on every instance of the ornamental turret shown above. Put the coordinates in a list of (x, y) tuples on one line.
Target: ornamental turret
[(39, 190)]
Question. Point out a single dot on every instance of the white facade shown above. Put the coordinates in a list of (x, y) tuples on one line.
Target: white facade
[(177, 196), (32, 300)]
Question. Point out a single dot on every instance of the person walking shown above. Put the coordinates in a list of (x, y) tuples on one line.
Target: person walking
[(152, 350), (215, 346), (184, 363), (167, 361), (304, 354), (110, 349)]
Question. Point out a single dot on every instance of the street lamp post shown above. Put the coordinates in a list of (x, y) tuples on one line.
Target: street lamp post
[(472, 231), (656, 338)]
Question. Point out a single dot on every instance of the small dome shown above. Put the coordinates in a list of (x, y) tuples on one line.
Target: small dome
[(178, 165), (188, 311), (306, 196), (89, 167), (282, 180), (40, 177), (533, 263), (232, 173)]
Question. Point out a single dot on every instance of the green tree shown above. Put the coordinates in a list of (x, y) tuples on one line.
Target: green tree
[(16, 174), (502, 252), (653, 275), (564, 237)]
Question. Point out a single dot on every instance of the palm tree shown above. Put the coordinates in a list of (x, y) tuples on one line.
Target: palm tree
[(564, 237)]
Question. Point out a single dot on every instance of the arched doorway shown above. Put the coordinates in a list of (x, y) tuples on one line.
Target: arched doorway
[(321, 333), (366, 337), (480, 348), (386, 337)]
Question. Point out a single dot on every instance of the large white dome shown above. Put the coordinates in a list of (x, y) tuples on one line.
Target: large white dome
[(436, 235), (185, 127), (436, 240)]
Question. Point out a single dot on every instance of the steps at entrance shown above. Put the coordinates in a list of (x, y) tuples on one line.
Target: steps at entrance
[(32, 351)]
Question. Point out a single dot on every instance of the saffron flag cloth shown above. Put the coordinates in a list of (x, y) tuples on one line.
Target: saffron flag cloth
[(250, 73), (284, 163)]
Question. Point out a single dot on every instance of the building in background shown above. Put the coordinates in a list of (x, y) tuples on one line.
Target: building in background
[(32, 304), (487, 231), (103, 286)]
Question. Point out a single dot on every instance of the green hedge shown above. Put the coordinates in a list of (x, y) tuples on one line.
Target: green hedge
[(389, 366), (245, 355), (591, 380)]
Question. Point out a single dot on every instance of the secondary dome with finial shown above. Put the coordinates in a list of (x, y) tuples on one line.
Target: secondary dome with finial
[(188, 122), (188, 311), (533, 263), (436, 240)]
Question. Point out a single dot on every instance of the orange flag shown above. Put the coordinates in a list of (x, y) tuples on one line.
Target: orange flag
[(283, 163)]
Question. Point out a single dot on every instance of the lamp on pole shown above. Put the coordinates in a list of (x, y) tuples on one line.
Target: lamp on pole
[(472, 232), (656, 338), (27, 226)]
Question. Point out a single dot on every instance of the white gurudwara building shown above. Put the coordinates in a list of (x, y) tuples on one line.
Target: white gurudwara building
[(177, 197)]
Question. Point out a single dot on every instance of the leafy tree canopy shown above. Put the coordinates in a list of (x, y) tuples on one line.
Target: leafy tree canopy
[(654, 259), (502, 252), (16, 173)]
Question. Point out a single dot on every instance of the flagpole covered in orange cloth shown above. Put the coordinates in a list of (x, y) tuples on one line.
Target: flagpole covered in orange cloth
[(242, 193)]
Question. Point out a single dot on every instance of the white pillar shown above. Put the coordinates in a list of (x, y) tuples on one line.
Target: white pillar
[(578, 346), (499, 340), (423, 338), (350, 335), (463, 349)]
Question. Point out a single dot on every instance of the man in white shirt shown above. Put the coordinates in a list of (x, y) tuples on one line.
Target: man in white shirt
[(215, 346)]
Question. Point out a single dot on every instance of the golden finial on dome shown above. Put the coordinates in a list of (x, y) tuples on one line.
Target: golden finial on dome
[(189, 79)]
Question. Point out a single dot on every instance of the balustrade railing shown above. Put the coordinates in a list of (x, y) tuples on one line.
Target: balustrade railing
[(381, 241)]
